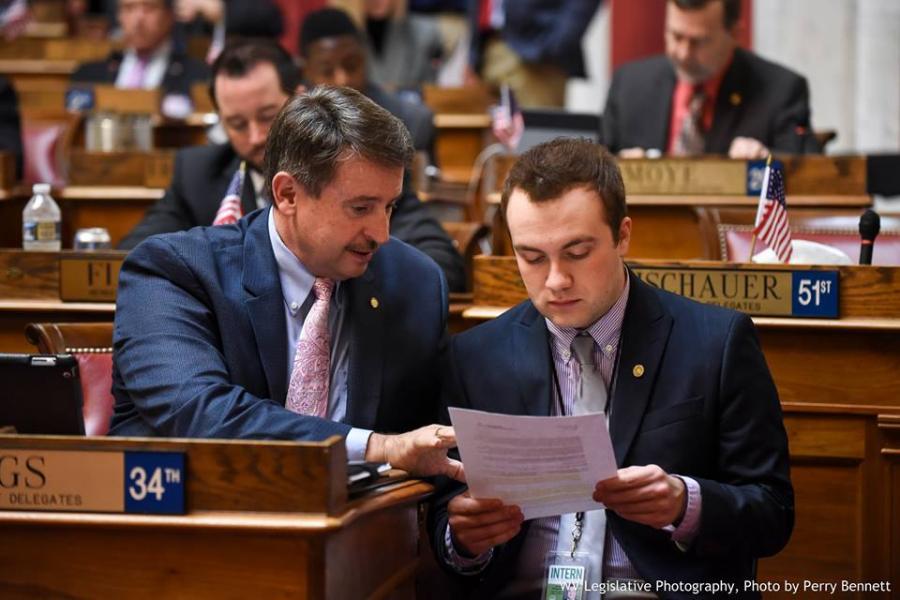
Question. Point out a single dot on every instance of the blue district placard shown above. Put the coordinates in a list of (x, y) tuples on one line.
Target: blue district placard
[(815, 294), (756, 172), (154, 482)]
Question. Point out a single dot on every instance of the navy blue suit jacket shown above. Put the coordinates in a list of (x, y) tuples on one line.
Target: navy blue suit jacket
[(200, 340), (705, 407)]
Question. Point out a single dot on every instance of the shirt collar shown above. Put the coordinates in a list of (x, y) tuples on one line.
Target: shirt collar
[(606, 330), (296, 279), (161, 53)]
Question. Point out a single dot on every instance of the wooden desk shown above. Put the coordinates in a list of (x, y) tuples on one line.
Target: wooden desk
[(323, 547), (839, 384), (16, 314), (675, 227), (30, 293), (460, 139), (117, 208)]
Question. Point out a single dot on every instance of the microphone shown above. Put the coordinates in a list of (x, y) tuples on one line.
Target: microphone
[(869, 226)]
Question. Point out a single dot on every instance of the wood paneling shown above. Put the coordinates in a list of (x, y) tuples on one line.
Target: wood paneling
[(237, 475)]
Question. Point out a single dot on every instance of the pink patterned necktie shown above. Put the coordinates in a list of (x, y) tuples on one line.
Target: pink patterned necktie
[(308, 389)]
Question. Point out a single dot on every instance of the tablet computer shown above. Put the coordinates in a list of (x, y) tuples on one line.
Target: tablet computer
[(40, 394)]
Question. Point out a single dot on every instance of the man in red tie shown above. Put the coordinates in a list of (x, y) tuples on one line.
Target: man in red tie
[(706, 95), (303, 320)]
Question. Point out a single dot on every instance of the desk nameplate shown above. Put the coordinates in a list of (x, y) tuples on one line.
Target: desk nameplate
[(805, 294), (62, 480), (668, 176), (89, 279)]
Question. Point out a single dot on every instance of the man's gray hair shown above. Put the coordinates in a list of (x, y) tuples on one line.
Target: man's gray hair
[(316, 130)]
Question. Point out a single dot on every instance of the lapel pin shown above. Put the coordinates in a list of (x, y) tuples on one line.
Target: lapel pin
[(373, 302), (735, 99), (638, 370)]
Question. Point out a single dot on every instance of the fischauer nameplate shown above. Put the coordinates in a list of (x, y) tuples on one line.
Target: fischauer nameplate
[(62, 480), (763, 293), (89, 279)]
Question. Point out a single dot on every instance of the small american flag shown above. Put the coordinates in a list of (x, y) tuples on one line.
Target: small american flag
[(230, 208), (507, 122), (772, 225)]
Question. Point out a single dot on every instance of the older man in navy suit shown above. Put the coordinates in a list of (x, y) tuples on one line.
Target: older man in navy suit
[(703, 488), (300, 321)]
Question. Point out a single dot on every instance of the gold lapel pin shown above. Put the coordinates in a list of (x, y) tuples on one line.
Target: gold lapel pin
[(373, 302), (735, 99), (638, 370)]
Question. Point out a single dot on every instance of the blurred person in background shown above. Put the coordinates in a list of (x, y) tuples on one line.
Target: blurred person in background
[(533, 46), (706, 95), (403, 50), (152, 57)]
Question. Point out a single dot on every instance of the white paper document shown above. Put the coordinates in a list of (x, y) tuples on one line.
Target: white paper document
[(545, 465)]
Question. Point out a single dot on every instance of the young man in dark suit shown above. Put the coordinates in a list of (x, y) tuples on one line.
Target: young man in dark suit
[(703, 487), (252, 80), (706, 95), (301, 321), (151, 57)]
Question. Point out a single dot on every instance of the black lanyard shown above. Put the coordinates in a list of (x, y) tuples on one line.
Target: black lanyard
[(578, 528)]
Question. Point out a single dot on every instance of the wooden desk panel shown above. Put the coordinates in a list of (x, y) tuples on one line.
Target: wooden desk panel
[(368, 551), (263, 519), (15, 315), (118, 209)]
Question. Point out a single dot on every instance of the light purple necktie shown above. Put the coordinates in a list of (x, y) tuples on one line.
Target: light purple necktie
[(136, 76), (308, 389)]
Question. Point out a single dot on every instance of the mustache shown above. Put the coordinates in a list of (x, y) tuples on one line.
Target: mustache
[(369, 245)]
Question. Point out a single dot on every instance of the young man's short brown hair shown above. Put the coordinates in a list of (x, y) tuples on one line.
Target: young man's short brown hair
[(551, 169)]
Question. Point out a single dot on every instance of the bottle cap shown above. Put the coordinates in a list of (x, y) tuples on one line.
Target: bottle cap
[(40, 188)]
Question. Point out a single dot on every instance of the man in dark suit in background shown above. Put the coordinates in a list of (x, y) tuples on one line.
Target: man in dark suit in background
[(252, 80), (707, 95), (533, 46), (153, 58), (10, 123), (301, 321), (703, 487)]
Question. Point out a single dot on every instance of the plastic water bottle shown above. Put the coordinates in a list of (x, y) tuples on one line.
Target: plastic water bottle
[(41, 221)]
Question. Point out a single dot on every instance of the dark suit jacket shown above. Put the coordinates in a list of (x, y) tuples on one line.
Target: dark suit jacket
[(10, 123), (200, 340), (200, 180), (540, 31), (772, 106), (705, 407), (181, 73)]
